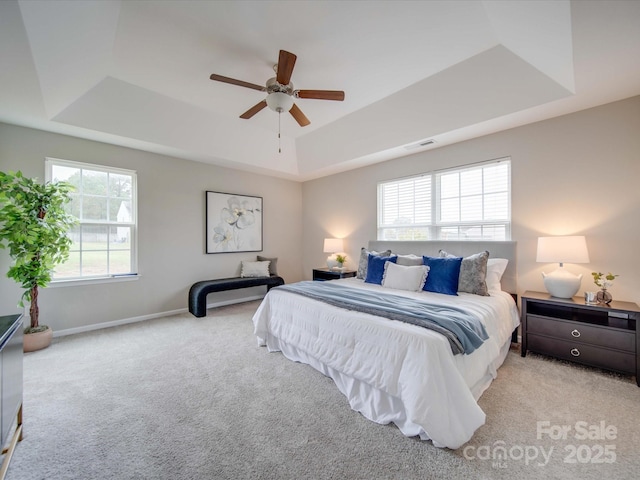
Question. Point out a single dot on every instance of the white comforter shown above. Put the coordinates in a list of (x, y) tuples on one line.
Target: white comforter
[(391, 371)]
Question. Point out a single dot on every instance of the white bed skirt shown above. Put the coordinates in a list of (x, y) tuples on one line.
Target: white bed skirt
[(373, 403)]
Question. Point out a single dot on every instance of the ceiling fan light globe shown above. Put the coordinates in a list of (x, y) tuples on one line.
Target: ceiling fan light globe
[(279, 102)]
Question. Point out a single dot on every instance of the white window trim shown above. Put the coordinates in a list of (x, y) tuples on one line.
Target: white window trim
[(89, 280)]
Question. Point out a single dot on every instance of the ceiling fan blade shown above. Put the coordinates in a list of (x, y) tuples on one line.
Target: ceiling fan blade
[(253, 110), (286, 62), (233, 81), (296, 113), (321, 94)]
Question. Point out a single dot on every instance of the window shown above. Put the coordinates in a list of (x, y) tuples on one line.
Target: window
[(104, 202), (468, 203)]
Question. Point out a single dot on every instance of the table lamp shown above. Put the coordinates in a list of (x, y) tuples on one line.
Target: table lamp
[(332, 246), (566, 249)]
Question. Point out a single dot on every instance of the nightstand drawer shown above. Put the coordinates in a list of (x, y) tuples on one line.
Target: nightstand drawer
[(582, 333), (582, 353)]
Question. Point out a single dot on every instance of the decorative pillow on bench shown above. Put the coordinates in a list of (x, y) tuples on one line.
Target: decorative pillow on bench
[(254, 269), (273, 266)]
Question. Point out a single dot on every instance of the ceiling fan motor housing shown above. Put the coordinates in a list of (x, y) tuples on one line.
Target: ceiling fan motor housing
[(273, 86)]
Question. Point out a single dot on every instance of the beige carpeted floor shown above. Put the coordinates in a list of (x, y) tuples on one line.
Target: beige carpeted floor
[(187, 398)]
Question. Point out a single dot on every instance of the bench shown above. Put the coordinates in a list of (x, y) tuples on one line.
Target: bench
[(199, 290)]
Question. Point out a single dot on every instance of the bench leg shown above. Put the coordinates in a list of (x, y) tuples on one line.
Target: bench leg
[(201, 306)]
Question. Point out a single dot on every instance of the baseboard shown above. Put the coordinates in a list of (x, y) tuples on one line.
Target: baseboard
[(142, 318)]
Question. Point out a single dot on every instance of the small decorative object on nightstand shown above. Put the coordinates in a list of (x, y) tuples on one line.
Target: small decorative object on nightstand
[(604, 282), (604, 336), (323, 274)]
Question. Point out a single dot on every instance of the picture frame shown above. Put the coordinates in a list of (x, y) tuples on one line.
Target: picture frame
[(233, 223)]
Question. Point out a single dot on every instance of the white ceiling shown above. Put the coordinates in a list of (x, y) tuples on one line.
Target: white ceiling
[(136, 73)]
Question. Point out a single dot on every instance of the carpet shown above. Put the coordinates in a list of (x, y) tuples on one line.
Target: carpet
[(195, 398)]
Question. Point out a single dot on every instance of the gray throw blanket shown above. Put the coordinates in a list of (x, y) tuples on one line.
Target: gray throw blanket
[(464, 331)]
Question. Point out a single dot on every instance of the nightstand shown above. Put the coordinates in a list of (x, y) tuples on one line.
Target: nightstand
[(604, 336), (322, 274)]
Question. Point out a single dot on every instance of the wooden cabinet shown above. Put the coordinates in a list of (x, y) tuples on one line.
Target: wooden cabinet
[(322, 274), (604, 336)]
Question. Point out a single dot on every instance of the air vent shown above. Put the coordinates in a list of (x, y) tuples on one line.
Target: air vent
[(422, 144)]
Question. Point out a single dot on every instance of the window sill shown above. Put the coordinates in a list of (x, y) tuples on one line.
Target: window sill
[(92, 281)]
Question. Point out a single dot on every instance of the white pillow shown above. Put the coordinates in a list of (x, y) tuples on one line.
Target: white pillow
[(495, 270), (410, 260), (255, 269), (402, 277)]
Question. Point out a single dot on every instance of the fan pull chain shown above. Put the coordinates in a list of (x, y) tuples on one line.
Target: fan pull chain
[(279, 114)]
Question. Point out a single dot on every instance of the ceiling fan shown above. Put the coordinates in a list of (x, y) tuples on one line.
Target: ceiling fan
[(280, 91)]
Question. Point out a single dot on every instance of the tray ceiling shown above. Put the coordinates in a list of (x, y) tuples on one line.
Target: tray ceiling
[(136, 73)]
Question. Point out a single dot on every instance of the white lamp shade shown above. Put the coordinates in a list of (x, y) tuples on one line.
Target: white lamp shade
[(279, 102), (333, 245), (569, 249)]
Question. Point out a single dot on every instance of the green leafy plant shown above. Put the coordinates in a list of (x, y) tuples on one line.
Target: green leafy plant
[(602, 280), (341, 259), (34, 226)]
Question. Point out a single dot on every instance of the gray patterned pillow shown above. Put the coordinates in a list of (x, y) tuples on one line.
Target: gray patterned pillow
[(364, 261), (473, 273)]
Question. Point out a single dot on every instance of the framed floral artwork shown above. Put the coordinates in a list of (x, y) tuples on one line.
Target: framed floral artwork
[(233, 223)]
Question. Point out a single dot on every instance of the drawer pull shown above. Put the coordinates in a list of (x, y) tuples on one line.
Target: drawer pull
[(575, 352), (575, 333)]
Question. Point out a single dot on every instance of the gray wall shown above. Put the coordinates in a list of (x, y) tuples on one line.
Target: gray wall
[(576, 174), (171, 242)]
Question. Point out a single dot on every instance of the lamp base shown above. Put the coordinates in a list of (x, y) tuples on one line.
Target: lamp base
[(332, 263), (562, 284)]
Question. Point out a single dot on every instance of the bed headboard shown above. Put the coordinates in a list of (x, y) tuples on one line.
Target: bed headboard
[(505, 249)]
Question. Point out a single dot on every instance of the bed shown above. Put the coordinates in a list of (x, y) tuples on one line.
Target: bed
[(396, 371)]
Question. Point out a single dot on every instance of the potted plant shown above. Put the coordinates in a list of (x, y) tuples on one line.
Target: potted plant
[(604, 282), (34, 226)]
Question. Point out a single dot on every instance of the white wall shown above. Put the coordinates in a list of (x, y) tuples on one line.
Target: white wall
[(575, 174), (171, 239)]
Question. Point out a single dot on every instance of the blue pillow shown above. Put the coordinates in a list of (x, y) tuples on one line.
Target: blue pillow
[(443, 275), (375, 268)]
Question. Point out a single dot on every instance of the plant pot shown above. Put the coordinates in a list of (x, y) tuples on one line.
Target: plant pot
[(38, 340)]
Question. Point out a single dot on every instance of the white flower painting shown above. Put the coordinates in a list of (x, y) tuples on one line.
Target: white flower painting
[(234, 223)]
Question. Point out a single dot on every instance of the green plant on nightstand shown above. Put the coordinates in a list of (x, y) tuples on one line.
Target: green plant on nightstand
[(341, 259), (34, 227), (604, 282)]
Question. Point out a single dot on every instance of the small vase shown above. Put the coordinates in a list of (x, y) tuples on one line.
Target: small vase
[(604, 297)]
